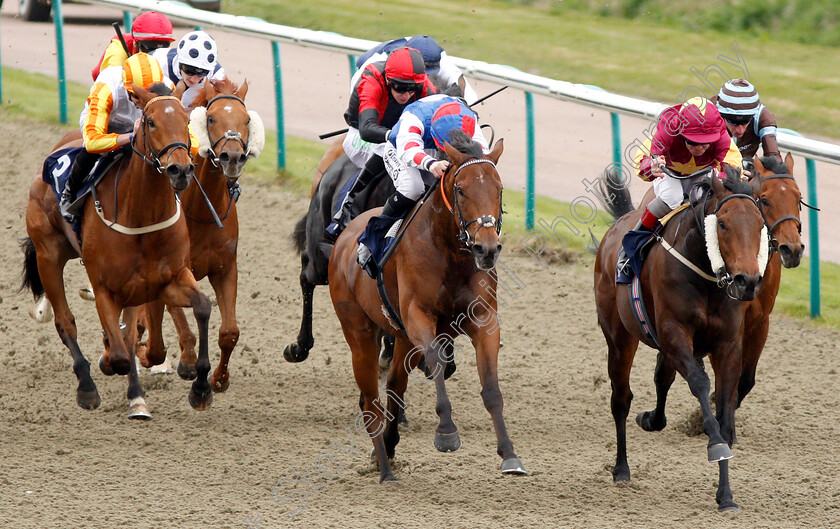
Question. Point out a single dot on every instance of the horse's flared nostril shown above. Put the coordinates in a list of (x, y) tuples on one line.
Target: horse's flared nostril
[(479, 250)]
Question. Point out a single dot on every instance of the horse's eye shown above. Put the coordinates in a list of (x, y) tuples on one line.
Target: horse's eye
[(210, 120), (151, 123), (722, 225), (764, 202), (460, 191)]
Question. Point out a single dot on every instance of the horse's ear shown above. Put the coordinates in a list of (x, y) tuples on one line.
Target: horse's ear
[(242, 90), (755, 182), (180, 88), (209, 90), (454, 154), (759, 167), (717, 187), (497, 150), (140, 96), (789, 163)]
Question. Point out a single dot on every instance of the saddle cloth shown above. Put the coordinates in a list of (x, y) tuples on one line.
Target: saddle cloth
[(635, 247)]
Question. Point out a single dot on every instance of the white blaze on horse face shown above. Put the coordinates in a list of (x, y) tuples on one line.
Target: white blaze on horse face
[(228, 109), (169, 110)]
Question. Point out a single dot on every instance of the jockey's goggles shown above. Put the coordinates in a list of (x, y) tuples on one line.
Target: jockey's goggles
[(692, 143), (192, 70), (402, 88), (736, 120)]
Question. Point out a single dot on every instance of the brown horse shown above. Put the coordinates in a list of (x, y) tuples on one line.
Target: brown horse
[(229, 135), (440, 279), (693, 315), (135, 248)]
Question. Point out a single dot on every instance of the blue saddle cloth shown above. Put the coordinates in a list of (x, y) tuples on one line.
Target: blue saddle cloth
[(635, 244), (333, 227), (374, 236), (56, 171)]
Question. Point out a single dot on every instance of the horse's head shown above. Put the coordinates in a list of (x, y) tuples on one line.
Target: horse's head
[(779, 200), (475, 189), (736, 238), (228, 133), (164, 137)]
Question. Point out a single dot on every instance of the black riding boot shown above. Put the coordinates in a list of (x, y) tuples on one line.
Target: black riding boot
[(78, 172), (344, 215), (395, 207)]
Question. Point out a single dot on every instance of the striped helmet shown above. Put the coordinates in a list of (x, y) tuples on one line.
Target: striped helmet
[(738, 97), (143, 70), (450, 116), (152, 26)]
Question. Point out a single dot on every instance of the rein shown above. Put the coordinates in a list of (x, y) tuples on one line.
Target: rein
[(154, 158), (484, 221), (228, 135)]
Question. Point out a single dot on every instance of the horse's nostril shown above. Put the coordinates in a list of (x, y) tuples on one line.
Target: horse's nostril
[(173, 171), (224, 158), (480, 250)]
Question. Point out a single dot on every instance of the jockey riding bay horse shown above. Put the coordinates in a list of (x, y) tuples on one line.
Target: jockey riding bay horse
[(441, 281), (228, 134), (135, 248), (696, 287)]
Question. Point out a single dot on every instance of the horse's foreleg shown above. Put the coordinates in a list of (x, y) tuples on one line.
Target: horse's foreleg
[(299, 351), (186, 342), (664, 375), (184, 292), (155, 351), (726, 364), (753, 344), (400, 367), (117, 357), (225, 287), (137, 408)]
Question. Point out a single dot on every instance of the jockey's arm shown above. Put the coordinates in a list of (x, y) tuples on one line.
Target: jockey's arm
[(410, 143), (369, 128), (732, 156), (95, 133), (767, 134)]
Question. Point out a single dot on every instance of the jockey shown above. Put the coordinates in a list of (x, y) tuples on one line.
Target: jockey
[(191, 62), (688, 137), (434, 57), (110, 117), (378, 99), (749, 122), (149, 32), (416, 144)]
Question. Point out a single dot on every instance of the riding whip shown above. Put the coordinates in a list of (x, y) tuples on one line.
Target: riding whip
[(122, 40)]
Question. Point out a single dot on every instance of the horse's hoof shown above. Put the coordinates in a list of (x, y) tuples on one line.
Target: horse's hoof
[(137, 409), (643, 419), (449, 370), (728, 506), (88, 400), (87, 294), (186, 372), (447, 442), (514, 466), (402, 421), (105, 368), (295, 353), (219, 386), (384, 362), (164, 368), (719, 452), (389, 479), (42, 311), (621, 475), (201, 401)]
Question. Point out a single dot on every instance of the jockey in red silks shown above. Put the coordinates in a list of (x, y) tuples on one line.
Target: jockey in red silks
[(688, 137), (149, 32)]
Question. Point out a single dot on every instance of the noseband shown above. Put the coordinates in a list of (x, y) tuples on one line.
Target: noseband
[(484, 221), (228, 135), (154, 158)]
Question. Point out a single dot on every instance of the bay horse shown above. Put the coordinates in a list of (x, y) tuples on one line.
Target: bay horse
[(693, 315), (229, 135), (134, 245), (441, 281)]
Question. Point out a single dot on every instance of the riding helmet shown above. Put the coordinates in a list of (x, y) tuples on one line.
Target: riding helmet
[(198, 49), (405, 65)]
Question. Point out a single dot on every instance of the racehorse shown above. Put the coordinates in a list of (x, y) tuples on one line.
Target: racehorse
[(308, 236), (229, 134), (693, 312), (134, 245), (441, 281)]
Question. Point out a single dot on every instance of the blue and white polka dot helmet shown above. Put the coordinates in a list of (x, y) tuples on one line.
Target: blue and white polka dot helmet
[(198, 49)]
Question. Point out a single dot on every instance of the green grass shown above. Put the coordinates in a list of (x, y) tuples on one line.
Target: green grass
[(30, 96), (640, 57)]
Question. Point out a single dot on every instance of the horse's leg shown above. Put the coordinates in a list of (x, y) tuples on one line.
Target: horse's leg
[(225, 287), (726, 364), (395, 389), (755, 337), (155, 351), (664, 375), (117, 358), (51, 271), (186, 341), (137, 408), (299, 351), (621, 347), (184, 292), (487, 355)]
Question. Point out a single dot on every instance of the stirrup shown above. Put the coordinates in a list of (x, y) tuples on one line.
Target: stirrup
[(64, 204), (365, 260)]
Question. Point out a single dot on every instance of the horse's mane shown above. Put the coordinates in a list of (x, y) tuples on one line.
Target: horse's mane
[(439, 82), (222, 86), (735, 183), (160, 89), (774, 165), (464, 143)]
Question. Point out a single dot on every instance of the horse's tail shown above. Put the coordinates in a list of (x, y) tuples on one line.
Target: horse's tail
[(30, 277), (614, 193), (299, 235)]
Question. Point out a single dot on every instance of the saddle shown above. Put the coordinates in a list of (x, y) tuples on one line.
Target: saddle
[(635, 246)]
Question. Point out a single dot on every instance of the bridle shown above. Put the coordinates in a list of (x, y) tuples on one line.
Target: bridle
[(484, 221), (774, 242), (228, 135), (153, 158)]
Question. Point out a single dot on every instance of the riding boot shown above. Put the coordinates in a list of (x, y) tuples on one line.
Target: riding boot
[(395, 207), (78, 172)]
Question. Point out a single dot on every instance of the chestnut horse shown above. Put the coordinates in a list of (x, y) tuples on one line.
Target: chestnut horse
[(694, 312), (229, 135), (441, 281), (135, 248)]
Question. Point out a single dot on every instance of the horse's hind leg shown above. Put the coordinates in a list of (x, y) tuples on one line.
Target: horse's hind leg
[(137, 408), (155, 350), (299, 351), (664, 375), (186, 342), (225, 287), (401, 365), (753, 344)]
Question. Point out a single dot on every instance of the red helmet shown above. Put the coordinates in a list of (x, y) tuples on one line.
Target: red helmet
[(701, 121), (405, 65), (152, 26)]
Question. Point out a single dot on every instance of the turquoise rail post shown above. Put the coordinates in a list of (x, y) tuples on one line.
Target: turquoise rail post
[(127, 21), (59, 45), (278, 107), (530, 174), (352, 59), (813, 238), (615, 120)]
